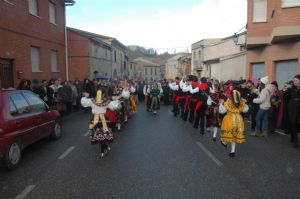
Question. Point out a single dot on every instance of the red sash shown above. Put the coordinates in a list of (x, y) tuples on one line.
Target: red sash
[(199, 103)]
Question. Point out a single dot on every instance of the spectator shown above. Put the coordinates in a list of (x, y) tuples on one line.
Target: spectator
[(79, 88), (292, 95), (274, 109), (24, 85), (264, 104)]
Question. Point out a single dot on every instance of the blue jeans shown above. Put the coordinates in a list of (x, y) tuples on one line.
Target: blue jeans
[(262, 116)]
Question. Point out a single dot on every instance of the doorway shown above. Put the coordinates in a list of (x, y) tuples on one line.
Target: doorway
[(6, 73)]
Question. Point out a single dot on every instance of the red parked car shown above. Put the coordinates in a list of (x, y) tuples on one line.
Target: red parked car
[(24, 119)]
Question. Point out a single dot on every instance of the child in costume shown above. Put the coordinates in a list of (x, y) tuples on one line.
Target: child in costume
[(214, 118), (99, 128), (232, 129)]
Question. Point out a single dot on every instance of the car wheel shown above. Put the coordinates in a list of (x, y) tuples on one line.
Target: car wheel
[(13, 155), (57, 132)]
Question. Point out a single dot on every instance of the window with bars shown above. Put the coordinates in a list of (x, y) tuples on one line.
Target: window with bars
[(33, 7), (35, 59), (259, 11), (54, 66), (290, 3), (52, 12)]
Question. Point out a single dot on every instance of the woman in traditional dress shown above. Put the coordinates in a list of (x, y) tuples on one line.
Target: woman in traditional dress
[(99, 128), (232, 129)]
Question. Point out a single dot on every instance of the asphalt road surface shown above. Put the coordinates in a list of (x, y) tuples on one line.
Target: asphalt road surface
[(153, 157)]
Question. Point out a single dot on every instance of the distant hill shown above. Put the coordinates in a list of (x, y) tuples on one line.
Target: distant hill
[(149, 54)]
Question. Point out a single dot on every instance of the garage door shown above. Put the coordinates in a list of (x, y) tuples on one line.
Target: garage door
[(258, 70), (285, 71)]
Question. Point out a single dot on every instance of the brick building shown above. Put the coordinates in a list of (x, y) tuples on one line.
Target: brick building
[(89, 52), (273, 39), (88, 55), (32, 40)]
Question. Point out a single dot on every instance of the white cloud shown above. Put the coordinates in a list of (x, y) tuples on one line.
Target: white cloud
[(207, 19)]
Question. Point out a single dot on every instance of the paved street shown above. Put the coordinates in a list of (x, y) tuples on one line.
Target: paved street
[(153, 157)]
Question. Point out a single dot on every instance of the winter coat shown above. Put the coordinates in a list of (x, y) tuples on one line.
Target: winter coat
[(264, 98)]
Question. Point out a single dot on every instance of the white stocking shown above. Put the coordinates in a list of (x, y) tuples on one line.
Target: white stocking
[(215, 132), (233, 145)]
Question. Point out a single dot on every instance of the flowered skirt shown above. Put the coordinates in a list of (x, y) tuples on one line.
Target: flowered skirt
[(98, 136), (232, 129)]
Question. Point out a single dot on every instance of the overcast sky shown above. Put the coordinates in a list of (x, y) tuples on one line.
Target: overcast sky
[(159, 24)]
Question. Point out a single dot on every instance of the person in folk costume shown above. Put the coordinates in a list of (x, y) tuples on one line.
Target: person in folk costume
[(214, 118), (99, 127), (228, 89), (147, 95), (191, 98), (184, 88), (132, 99), (178, 96), (292, 95), (202, 94), (125, 96), (155, 90), (117, 92), (232, 128)]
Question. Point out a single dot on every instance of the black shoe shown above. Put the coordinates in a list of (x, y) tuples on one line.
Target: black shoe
[(232, 154), (202, 132), (214, 139), (224, 145), (195, 127)]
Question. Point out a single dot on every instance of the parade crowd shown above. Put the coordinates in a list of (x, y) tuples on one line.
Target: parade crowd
[(222, 107), (209, 105)]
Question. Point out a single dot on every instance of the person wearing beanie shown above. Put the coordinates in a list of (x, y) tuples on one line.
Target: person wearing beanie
[(232, 128), (264, 105), (292, 95)]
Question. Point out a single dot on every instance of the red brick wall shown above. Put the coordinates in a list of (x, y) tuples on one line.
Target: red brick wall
[(276, 52), (19, 30), (271, 54), (78, 55)]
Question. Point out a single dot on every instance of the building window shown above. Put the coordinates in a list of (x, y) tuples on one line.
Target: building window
[(54, 67), (35, 59), (115, 55), (146, 71), (52, 13), (130, 66), (33, 7), (155, 72), (258, 70), (290, 3), (259, 11), (199, 54), (151, 72)]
